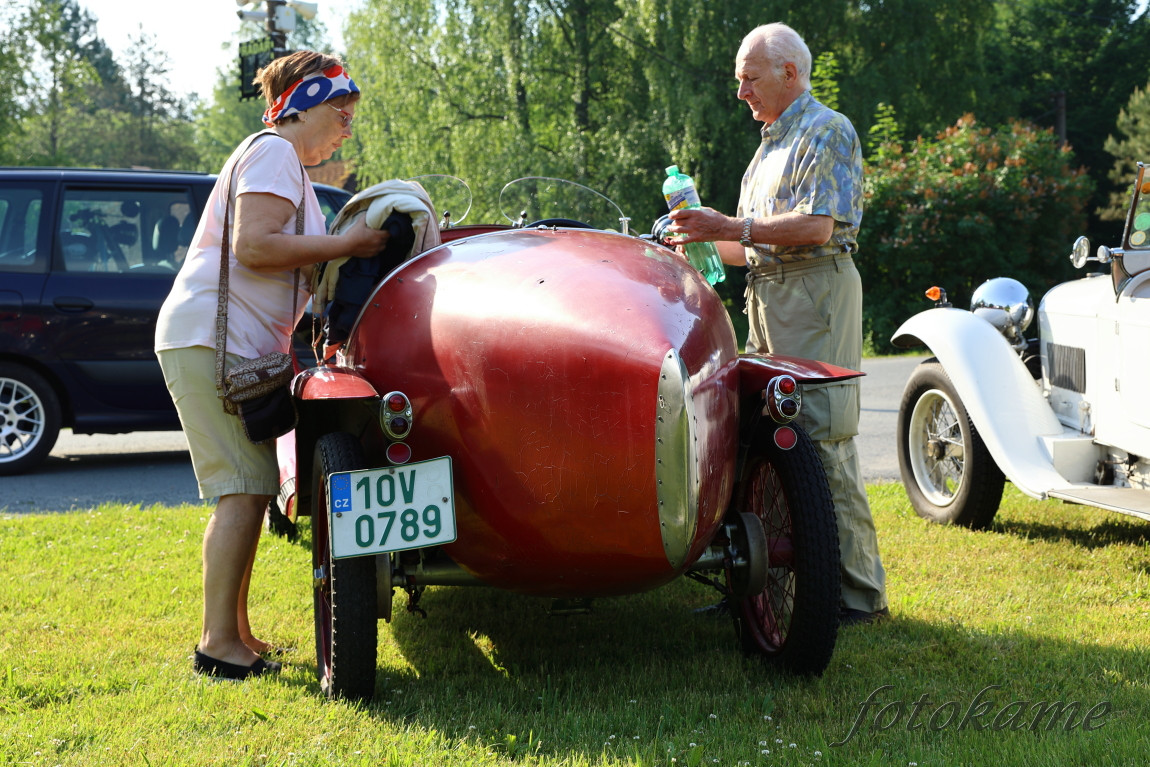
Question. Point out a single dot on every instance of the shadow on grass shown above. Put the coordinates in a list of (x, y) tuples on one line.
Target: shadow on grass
[(1115, 529), (487, 664)]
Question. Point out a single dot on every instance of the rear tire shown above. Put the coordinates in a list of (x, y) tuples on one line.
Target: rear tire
[(346, 632), (794, 621), (29, 418), (950, 476)]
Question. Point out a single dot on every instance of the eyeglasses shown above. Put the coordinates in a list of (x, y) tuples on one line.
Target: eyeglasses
[(345, 117)]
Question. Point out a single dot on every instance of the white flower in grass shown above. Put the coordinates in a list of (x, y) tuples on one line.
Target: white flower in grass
[(765, 751), (778, 740), (792, 746), (713, 716), (762, 742), (818, 754)]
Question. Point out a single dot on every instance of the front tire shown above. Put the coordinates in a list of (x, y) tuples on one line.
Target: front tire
[(346, 631), (794, 621), (950, 476), (29, 418)]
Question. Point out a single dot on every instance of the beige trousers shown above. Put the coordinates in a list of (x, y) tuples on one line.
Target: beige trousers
[(813, 309)]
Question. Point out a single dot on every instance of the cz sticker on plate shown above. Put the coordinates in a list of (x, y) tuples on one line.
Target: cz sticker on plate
[(375, 511)]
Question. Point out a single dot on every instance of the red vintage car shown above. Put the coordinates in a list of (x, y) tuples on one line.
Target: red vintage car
[(558, 408)]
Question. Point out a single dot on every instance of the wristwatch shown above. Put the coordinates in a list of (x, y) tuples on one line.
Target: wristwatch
[(746, 240)]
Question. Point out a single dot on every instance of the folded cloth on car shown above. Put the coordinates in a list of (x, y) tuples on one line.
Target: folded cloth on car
[(359, 276), (377, 204)]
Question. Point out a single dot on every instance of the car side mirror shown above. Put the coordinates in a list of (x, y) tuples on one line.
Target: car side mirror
[(1080, 253)]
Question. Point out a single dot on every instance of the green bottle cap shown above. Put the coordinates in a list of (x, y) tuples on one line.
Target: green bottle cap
[(673, 170)]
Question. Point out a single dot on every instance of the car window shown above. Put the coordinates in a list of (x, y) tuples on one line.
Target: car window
[(330, 203), (125, 230), (20, 217)]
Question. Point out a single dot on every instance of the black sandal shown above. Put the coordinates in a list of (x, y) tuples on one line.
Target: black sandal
[(208, 666)]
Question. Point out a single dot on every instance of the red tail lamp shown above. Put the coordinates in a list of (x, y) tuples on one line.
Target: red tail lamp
[(782, 399), (395, 416)]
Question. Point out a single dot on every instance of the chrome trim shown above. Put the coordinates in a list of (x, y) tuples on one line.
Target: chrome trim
[(386, 414), (775, 402), (676, 460)]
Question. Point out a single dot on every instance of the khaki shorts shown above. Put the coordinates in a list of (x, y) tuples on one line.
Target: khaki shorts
[(225, 461)]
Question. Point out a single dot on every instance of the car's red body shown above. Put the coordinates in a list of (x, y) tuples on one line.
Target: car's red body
[(588, 388)]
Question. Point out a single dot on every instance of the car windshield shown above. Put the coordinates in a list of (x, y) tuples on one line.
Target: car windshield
[(1138, 235), (525, 201)]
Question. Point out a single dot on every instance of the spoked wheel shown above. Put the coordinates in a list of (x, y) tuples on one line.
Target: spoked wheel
[(345, 589), (793, 622), (950, 476)]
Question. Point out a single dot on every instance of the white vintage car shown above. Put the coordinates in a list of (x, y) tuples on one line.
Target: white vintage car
[(1066, 415)]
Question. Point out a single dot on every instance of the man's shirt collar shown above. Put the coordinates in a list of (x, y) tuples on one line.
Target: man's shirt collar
[(789, 116)]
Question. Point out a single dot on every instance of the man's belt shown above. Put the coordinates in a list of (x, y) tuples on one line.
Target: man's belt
[(834, 260)]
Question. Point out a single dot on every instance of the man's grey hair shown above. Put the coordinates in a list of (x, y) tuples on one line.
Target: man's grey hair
[(779, 44)]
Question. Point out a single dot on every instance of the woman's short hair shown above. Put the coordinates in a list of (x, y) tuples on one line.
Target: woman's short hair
[(284, 72)]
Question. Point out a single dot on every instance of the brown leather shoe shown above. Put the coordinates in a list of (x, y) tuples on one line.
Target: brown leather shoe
[(849, 617)]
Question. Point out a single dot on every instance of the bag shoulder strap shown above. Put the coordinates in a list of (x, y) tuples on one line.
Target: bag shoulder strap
[(225, 249)]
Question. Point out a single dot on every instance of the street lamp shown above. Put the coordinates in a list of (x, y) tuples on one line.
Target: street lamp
[(279, 18)]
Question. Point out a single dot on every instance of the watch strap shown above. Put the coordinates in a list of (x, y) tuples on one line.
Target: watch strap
[(746, 240)]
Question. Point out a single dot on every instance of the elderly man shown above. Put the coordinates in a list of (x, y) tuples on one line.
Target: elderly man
[(798, 218)]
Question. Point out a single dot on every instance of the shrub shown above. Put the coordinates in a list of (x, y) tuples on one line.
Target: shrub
[(972, 204)]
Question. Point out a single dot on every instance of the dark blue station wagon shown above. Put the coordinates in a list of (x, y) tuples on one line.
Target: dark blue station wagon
[(86, 259)]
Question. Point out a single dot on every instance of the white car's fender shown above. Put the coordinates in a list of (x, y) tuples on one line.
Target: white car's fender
[(1000, 396)]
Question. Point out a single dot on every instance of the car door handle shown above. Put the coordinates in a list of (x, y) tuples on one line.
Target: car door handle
[(72, 303)]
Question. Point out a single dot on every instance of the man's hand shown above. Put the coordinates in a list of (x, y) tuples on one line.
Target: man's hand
[(703, 225)]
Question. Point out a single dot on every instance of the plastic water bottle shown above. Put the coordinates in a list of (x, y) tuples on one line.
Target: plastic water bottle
[(680, 192)]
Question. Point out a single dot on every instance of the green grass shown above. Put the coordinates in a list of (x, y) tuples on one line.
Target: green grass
[(99, 611)]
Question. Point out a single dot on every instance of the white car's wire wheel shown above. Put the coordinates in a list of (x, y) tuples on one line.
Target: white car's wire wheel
[(949, 474)]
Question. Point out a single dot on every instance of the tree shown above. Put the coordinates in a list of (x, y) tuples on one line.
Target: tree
[(972, 204), (59, 84), (13, 54), (1130, 146), (925, 59), (1089, 50)]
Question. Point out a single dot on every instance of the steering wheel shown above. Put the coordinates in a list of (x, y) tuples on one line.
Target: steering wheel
[(567, 222)]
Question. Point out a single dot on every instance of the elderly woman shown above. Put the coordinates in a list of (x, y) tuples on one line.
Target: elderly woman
[(311, 104)]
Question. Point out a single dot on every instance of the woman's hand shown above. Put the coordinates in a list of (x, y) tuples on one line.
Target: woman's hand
[(362, 241), (261, 244)]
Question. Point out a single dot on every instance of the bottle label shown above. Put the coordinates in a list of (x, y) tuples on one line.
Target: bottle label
[(683, 198)]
